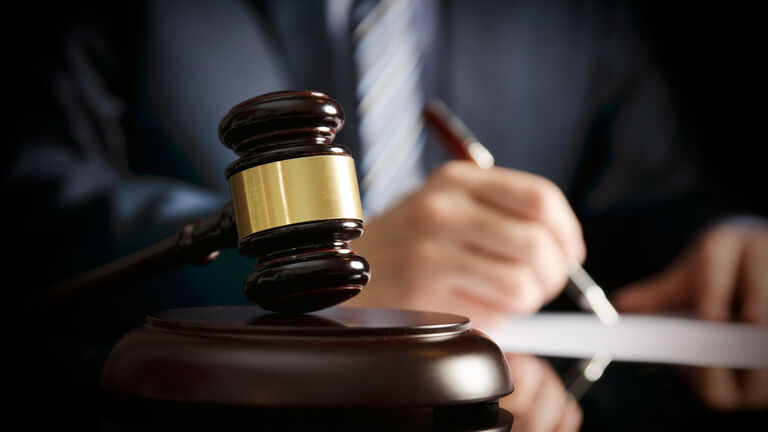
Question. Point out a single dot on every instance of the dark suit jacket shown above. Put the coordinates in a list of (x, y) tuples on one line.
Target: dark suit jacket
[(113, 142), (133, 96)]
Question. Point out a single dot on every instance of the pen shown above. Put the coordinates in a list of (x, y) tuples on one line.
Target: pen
[(462, 144)]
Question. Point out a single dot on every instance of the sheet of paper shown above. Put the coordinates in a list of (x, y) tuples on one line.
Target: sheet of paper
[(637, 338)]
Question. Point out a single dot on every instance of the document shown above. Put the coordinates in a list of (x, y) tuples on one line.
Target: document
[(679, 340)]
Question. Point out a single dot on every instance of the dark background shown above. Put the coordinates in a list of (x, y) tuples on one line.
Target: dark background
[(711, 53)]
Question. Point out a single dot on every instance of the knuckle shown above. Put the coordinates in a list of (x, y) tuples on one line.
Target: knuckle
[(717, 401), (523, 293), (421, 252), (535, 201), (712, 246), (713, 241), (756, 395), (755, 311), (534, 242), (451, 170), (554, 282), (711, 306), (543, 196), (429, 210), (418, 259)]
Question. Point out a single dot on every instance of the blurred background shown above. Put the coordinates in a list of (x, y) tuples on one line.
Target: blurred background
[(711, 56)]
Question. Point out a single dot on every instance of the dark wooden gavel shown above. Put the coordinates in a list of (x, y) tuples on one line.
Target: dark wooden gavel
[(295, 208)]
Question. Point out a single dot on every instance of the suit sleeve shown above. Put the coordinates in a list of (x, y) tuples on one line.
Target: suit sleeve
[(69, 171)]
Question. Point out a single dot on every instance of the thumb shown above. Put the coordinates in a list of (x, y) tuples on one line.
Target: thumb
[(662, 291)]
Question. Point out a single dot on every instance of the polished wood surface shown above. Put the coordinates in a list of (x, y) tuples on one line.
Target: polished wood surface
[(134, 415), (281, 125), (339, 357)]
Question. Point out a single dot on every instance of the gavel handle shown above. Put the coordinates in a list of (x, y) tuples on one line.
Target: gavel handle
[(195, 243)]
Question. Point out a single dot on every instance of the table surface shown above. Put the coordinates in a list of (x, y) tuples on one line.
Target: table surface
[(53, 380)]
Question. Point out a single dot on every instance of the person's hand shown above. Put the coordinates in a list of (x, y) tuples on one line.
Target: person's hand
[(729, 389), (539, 402), (723, 276), (482, 243)]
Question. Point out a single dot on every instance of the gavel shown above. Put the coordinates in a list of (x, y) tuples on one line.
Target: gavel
[(295, 207)]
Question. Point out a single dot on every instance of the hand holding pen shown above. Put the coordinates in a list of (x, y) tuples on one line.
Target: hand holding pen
[(460, 142), (477, 242), (720, 274)]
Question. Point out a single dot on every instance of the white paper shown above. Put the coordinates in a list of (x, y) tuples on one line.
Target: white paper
[(637, 338)]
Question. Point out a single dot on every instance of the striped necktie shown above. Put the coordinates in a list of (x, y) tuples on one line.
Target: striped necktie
[(390, 97)]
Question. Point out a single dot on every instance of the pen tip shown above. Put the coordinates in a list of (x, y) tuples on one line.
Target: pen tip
[(482, 157)]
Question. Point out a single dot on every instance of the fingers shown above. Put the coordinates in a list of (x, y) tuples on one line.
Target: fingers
[(504, 225), (667, 290), (520, 195), (702, 277), (721, 272), (715, 272), (535, 198), (717, 388), (446, 212), (445, 245), (729, 390), (482, 316), (527, 373), (551, 404), (518, 241), (502, 286), (572, 417), (755, 389), (539, 402), (437, 274), (754, 302)]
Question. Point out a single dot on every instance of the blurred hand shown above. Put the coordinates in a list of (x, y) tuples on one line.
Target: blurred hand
[(482, 243), (539, 402), (723, 275), (729, 389)]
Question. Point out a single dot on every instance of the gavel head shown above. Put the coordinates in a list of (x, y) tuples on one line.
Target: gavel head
[(296, 201)]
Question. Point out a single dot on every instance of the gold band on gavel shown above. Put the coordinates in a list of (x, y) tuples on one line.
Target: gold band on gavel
[(295, 190)]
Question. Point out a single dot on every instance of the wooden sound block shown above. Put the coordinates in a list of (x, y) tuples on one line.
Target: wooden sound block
[(339, 357)]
